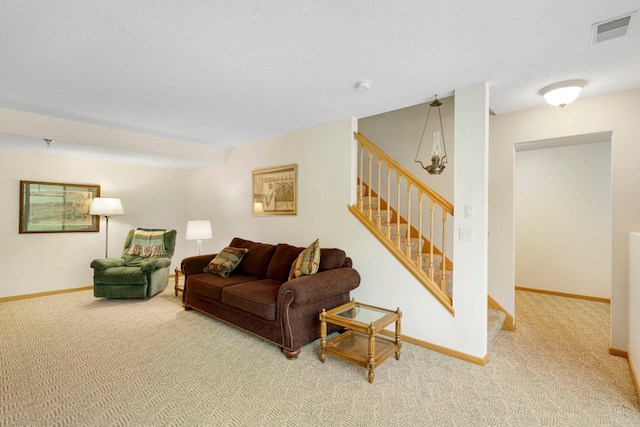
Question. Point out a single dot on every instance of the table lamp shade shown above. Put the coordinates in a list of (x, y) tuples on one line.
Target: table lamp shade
[(199, 230), (106, 206)]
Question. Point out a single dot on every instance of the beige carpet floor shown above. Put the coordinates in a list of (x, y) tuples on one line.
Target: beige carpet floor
[(73, 360)]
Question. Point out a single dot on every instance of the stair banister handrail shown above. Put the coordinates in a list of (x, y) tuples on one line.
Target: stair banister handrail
[(444, 203)]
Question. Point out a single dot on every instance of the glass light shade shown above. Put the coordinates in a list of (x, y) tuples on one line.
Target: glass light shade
[(106, 206), (563, 93), (198, 230), (435, 149)]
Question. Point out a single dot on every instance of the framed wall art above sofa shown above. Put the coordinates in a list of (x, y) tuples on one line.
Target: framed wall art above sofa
[(275, 190)]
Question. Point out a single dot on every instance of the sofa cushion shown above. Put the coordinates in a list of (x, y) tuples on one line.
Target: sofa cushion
[(256, 261), (259, 297), (307, 262), (280, 264), (331, 258), (226, 261), (210, 286)]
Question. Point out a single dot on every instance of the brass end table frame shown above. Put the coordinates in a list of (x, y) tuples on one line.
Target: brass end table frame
[(178, 287), (361, 344)]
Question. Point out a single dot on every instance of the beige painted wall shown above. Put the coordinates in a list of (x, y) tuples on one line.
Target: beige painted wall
[(618, 113), (32, 263)]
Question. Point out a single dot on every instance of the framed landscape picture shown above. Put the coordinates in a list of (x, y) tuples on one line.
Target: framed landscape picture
[(51, 207), (275, 191)]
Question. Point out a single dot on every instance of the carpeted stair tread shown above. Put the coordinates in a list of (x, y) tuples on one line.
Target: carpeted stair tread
[(370, 202), (393, 229), (437, 277), (416, 246), (437, 261)]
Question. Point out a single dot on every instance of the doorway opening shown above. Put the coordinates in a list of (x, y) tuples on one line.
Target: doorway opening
[(562, 215)]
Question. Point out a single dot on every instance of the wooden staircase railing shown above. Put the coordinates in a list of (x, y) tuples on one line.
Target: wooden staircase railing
[(398, 220)]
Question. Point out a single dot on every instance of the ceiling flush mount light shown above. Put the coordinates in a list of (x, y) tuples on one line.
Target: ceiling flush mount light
[(563, 93), (438, 149), (363, 84)]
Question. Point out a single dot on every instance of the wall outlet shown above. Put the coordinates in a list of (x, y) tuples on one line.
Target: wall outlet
[(466, 234)]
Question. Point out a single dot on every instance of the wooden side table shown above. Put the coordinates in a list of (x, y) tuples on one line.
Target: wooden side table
[(361, 344), (178, 287)]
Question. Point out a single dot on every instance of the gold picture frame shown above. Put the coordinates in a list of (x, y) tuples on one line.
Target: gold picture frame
[(275, 191), (53, 207)]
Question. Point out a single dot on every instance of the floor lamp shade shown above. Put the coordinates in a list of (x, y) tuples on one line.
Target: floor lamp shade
[(199, 230), (106, 207)]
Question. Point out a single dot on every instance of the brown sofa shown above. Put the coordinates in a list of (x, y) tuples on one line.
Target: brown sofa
[(258, 298)]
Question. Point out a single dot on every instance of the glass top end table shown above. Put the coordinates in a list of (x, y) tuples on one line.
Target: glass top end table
[(362, 343)]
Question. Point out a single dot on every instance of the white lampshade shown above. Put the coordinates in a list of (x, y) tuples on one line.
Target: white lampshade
[(106, 206), (563, 93), (199, 230)]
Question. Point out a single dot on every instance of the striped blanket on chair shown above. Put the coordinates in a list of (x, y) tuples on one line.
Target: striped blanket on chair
[(147, 242)]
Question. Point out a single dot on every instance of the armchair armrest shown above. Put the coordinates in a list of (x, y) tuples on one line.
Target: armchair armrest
[(195, 264), (152, 264), (104, 263), (325, 284)]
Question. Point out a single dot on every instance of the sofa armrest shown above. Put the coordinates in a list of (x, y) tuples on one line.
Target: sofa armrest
[(195, 264), (104, 263), (325, 284)]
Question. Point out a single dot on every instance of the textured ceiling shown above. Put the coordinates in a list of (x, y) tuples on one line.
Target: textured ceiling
[(224, 73)]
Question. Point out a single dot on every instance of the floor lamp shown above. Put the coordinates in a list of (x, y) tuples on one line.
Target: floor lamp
[(106, 207), (199, 230)]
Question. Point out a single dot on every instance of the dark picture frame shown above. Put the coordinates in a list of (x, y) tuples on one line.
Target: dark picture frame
[(53, 207), (275, 191)]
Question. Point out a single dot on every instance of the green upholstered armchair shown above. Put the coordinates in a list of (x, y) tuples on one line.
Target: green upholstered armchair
[(133, 276)]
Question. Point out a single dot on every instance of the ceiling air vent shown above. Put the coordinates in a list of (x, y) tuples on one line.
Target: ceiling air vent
[(610, 29)]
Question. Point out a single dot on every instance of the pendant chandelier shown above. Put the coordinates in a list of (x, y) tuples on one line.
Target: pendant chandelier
[(438, 148)]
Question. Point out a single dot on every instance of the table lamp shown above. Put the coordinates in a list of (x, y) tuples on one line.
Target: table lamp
[(199, 230)]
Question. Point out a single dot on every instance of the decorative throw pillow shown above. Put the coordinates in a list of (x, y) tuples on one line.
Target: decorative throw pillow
[(226, 261), (307, 262)]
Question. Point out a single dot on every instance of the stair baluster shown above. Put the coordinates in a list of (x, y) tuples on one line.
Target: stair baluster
[(369, 204), (408, 248), (388, 219), (378, 222), (398, 178), (361, 178), (431, 270), (420, 242)]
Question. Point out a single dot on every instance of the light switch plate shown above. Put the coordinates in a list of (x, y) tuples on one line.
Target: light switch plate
[(468, 211)]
